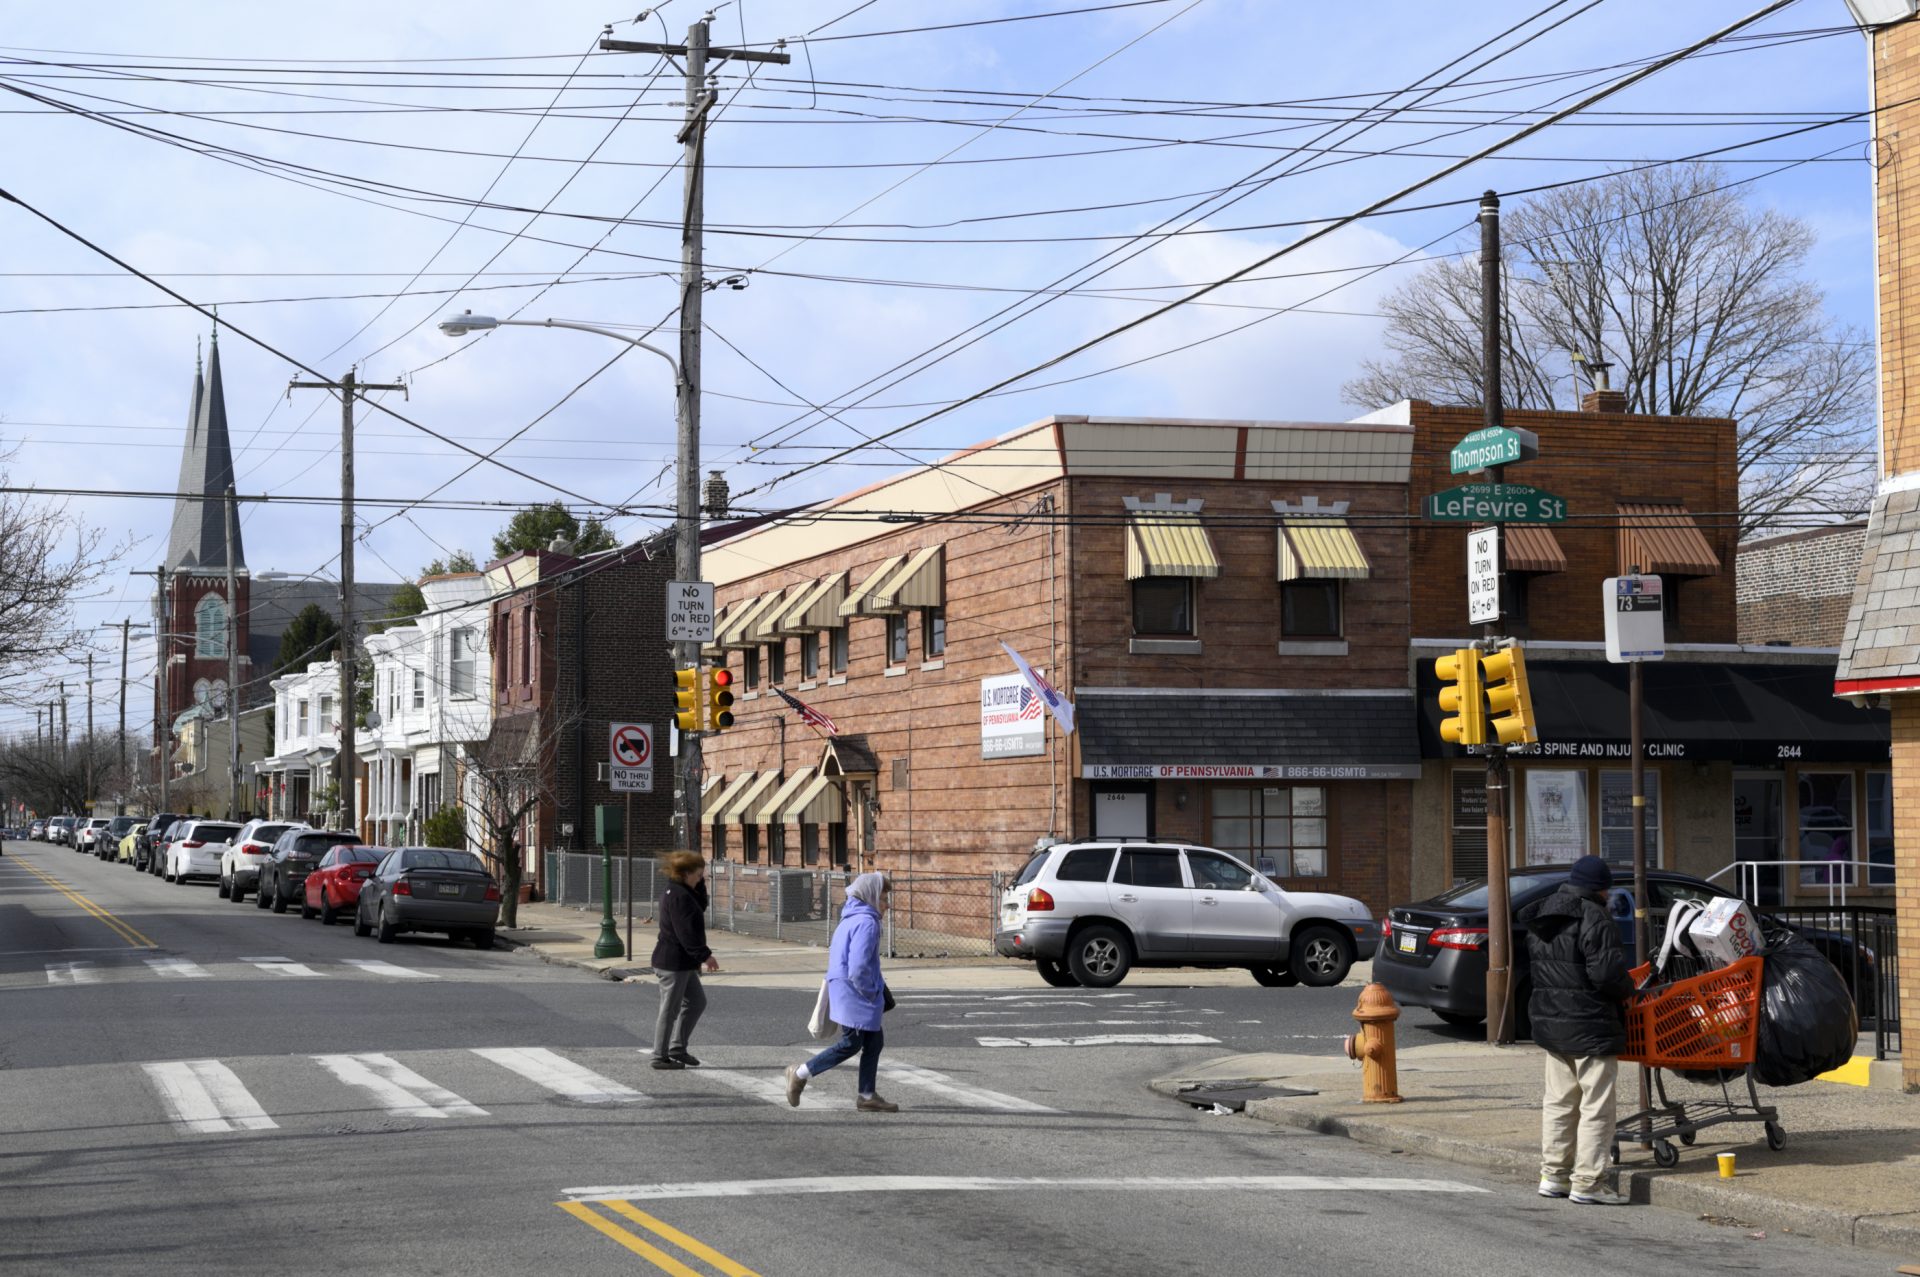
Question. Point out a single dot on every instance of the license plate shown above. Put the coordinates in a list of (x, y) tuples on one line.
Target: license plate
[(450, 889), (1409, 943)]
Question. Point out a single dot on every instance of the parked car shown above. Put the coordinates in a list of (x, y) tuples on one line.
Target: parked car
[(151, 849), (58, 830), (195, 853), (126, 852), (283, 875), (429, 889), (1434, 952), (37, 832), (240, 863), (334, 885), (104, 836), (84, 834), (1087, 913)]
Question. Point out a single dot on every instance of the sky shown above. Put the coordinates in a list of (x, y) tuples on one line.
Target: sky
[(882, 194)]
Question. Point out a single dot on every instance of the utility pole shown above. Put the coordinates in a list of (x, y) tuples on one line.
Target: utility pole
[(697, 52), (233, 666), (63, 720), (86, 758), (347, 388), (126, 628), (1499, 907)]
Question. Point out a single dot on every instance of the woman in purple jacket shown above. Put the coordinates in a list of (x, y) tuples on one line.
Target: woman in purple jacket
[(856, 994)]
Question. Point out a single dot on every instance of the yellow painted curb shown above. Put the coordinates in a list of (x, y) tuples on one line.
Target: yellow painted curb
[(1855, 1072)]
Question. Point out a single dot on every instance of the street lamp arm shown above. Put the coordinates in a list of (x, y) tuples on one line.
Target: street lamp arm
[(604, 332)]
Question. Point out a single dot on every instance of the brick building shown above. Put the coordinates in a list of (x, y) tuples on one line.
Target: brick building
[(1796, 588), (577, 644)]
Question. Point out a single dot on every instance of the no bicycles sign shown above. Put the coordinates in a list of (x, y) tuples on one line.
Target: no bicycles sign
[(630, 758)]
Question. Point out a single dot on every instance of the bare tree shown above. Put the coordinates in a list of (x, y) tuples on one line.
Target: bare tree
[(53, 779), (48, 556), (1693, 297), (510, 775)]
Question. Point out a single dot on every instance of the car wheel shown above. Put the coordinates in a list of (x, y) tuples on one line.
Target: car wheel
[(1275, 977), (1056, 974), (1461, 1019), (388, 930), (168, 875), (328, 914), (361, 927), (1099, 957), (260, 900), (482, 939), (280, 901), (237, 892), (306, 910), (1321, 957), (226, 888)]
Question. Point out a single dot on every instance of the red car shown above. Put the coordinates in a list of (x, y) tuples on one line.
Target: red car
[(334, 884)]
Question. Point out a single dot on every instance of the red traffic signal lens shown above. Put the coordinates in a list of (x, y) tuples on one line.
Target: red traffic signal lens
[(722, 678)]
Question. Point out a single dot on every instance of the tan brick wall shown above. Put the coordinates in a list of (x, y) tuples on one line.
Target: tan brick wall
[(1906, 868), (1896, 63)]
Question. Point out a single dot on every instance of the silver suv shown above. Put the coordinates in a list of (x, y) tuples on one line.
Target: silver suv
[(1086, 913)]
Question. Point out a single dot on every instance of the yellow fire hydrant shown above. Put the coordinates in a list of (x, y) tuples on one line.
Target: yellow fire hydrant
[(1373, 1046)]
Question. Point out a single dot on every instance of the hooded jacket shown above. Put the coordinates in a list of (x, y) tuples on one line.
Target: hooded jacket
[(682, 945), (855, 991), (1579, 975)]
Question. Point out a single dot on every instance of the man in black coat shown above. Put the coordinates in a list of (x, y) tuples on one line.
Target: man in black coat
[(1579, 981)]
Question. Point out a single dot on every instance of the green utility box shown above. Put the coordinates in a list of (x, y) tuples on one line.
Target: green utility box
[(609, 825)]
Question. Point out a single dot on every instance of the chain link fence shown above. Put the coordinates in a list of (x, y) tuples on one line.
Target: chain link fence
[(929, 915)]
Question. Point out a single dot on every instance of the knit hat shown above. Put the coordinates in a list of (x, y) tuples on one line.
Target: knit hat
[(1590, 873)]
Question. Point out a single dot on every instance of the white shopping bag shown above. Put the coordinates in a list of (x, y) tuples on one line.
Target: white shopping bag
[(1675, 941), (1725, 931), (820, 1024)]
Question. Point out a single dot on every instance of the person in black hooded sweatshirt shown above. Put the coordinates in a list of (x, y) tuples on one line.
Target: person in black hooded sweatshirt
[(678, 955), (1580, 980)]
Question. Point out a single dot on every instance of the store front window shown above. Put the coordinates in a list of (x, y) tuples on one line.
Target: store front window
[(1282, 832), (1879, 829), (1616, 817), (1826, 828), (1467, 813)]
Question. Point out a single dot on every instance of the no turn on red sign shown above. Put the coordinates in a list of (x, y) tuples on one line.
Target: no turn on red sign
[(630, 758)]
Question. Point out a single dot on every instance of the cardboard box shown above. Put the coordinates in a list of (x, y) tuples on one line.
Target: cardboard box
[(1725, 931)]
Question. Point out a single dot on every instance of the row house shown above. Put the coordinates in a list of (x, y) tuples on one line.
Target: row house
[(298, 781)]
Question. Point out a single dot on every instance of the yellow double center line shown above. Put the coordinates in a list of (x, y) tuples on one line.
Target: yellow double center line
[(640, 1246), (119, 928)]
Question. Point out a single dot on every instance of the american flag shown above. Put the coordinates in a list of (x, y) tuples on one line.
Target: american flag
[(1031, 706), (808, 714)]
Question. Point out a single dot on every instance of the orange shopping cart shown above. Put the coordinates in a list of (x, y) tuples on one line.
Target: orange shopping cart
[(1701, 1023)]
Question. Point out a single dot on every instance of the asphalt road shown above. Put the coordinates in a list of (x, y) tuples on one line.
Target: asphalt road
[(219, 1089)]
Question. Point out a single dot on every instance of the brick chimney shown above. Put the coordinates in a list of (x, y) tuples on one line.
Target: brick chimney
[(1604, 401)]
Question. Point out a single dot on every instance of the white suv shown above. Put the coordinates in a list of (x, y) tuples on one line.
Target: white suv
[(1088, 912), (240, 861), (196, 852)]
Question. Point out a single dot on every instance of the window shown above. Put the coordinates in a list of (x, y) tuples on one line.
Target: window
[(1217, 873), (809, 656), (460, 644), (896, 639), (933, 633), (282, 719), (1149, 869), (419, 689), (1879, 829), (1469, 821), (326, 714), (1616, 817), (750, 844), (837, 843), (1163, 606), (301, 719), (1281, 830), (526, 647), (718, 842), (837, 643), (210, 627), (1670, 605), (1310, 609), (776, 662), (1826, 828), (809, 844), (1085, 864), (501, 647), (750, 668), (776, 844), (1556, 829)]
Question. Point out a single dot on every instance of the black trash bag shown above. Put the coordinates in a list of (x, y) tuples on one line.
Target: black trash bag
[(1808, 1023)]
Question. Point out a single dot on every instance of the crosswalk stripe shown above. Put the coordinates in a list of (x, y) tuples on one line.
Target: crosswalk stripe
[(72, 973), (960, 1092), (205, 1097), (560, 1075), (177, 968), (284, 966), (398, 1088), (376, 966), (1109, 1039), (771, 1089), (814, 1185)]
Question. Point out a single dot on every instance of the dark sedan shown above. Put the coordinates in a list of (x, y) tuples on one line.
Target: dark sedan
[(429, 889), (1434, 952), (283, 875), (150, 849)]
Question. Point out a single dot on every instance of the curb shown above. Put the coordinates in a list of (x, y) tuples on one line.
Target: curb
[(1897, 1233), (554, 959)]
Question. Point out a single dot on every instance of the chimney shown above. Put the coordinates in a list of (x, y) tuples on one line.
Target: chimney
[(1604, 401)]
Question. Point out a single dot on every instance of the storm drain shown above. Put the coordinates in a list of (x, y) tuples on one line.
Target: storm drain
[(1233, 1097)]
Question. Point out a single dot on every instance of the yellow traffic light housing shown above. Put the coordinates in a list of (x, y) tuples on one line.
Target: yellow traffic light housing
[(719, 699), (687, 698), (1508, 699), (1461, 697)]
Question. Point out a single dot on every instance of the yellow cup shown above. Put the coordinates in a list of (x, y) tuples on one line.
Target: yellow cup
[(1726, 1165)]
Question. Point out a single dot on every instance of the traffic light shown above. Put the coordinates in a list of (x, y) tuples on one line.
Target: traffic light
[(1460, 696), (1508, 699), (686, 698), (719, 699)]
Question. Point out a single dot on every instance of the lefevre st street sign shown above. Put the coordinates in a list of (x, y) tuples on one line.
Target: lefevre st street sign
[(1494, 446), (1496, 503)]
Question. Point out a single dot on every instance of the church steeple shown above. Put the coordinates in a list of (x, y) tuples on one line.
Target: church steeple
[(198, 538)]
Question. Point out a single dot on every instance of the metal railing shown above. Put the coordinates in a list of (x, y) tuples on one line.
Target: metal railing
[(1835, 877), (1862, 942), (929, 915)]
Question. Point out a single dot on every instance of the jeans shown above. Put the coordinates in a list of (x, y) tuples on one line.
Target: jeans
[(865, 1041), (1576, 1119), (681, 1002)]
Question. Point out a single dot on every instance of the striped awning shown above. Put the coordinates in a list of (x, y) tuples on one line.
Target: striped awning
[(1664, 540), (1528, 547), (760, 626), (813, 607), (918, 583), (772, 808), (741, 631), (860, 602), (1168, 543), (819, 802), (717, 807), (1321, 550), (743, 808)]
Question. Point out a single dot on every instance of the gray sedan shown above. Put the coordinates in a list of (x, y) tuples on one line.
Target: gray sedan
[(429, 889)]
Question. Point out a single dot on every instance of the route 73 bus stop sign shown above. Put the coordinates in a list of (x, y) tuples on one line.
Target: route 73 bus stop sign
[(1636, 624)]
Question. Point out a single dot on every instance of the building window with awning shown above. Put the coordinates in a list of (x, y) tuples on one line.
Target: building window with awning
[(1317, 553), (1310, 609), (1167, 551), (1163, 607)]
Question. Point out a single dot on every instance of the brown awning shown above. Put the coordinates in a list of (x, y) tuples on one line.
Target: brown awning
[(1528, 547), (1664, 540)]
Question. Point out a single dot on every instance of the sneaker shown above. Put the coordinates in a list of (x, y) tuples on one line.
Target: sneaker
[(795, 1085), (874, 1104), (1599, 1195), (684, 1056), (1554, 1188), (667, 1062)]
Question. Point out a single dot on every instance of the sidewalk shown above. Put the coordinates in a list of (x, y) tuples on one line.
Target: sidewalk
[(565, 937), (1850, 1171)]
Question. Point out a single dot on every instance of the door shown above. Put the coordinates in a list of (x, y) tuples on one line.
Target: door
[(1149, 893), (1121, 811), (1234, 920), (1759, 824)]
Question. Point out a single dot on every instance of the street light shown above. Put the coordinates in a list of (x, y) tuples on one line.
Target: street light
[(686, 568)]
